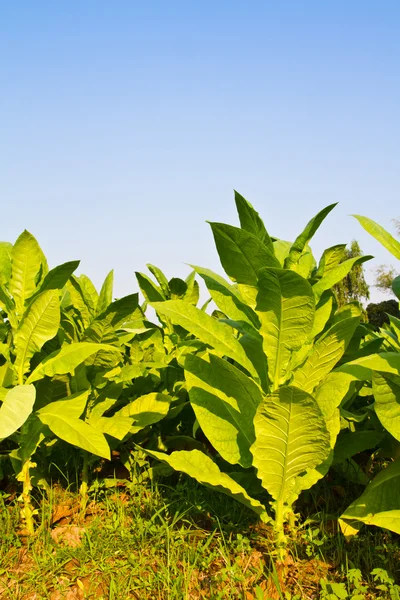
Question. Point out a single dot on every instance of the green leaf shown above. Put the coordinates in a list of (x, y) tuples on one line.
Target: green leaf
[(162, 280), (106, 293), (378, 505), (225, 402), (78, 300), (207, 329), (350, 443), (57, 278), (150, 291), (396, 286), (303, 239), (39, 324), (380, 234), (27, 262), (66, 360), (89, 294), (5, 262), (241, 253), (146, 410), (15, 409), (291, 437), (60, 418), (250, 221), (337, 273), (330, 259), (332, 391), (386, 389), (285, 307), (198, 465), (116, 426), (227, 297), (362, 368), (323, 313), (326, 353)]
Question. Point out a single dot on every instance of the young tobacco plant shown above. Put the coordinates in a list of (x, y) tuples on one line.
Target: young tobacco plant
[(379, 504), (264, 391)]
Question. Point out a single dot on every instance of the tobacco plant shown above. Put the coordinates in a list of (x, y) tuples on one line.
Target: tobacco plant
[(379, 504), (264, 390)]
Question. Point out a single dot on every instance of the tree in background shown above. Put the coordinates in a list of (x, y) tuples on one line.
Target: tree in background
[(384, 274), (353, 287)]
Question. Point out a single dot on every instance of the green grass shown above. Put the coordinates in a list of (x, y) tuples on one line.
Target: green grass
[(177, 541)]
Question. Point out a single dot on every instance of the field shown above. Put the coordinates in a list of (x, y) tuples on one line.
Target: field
[(247, 447)]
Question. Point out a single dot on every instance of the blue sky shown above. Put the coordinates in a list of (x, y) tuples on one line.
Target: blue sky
[(126, 125)]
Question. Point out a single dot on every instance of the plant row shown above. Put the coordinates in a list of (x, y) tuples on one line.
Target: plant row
[(257, 394)]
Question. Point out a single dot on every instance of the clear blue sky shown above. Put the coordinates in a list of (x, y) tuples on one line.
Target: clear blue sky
[(125, 125)]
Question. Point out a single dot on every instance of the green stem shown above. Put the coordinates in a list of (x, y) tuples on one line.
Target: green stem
[(83, 490), (279, 530), (27, 512)]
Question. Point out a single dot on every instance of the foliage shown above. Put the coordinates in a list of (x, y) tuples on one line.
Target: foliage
[(378, 313), (280, 386), (353, 287)]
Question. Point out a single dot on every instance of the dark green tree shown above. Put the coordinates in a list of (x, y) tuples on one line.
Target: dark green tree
[(353, 287)]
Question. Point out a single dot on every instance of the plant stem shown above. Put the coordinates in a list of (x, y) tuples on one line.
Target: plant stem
[(83, 490), (280, 534), (27, 512)]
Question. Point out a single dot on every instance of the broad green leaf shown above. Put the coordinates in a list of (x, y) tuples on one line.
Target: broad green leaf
[(150, 291), (336, 274), (193, 290), (378, 505), (39, 324), (32, 434), (252, 343), (66, 360), (332, 391), (380, 234), (350, 443), (5, 262), (15, 409), (57, 416), (396, 286), (90, 294), (251, 221), (303, 239), (8, 305), (146, 410), (106, 293), (281, 250), (386, 389), (226, 297), (285, 307), (116, 426), (330, 259), (207, 329), (323, 312), (198, 465), (162, 280), (291, 437), (73, 405), (121, 310), (306, 263), (326, 353), (241, 253), (27, 263), (57, 278), (77, 300), (362, 368), (225, 402)]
